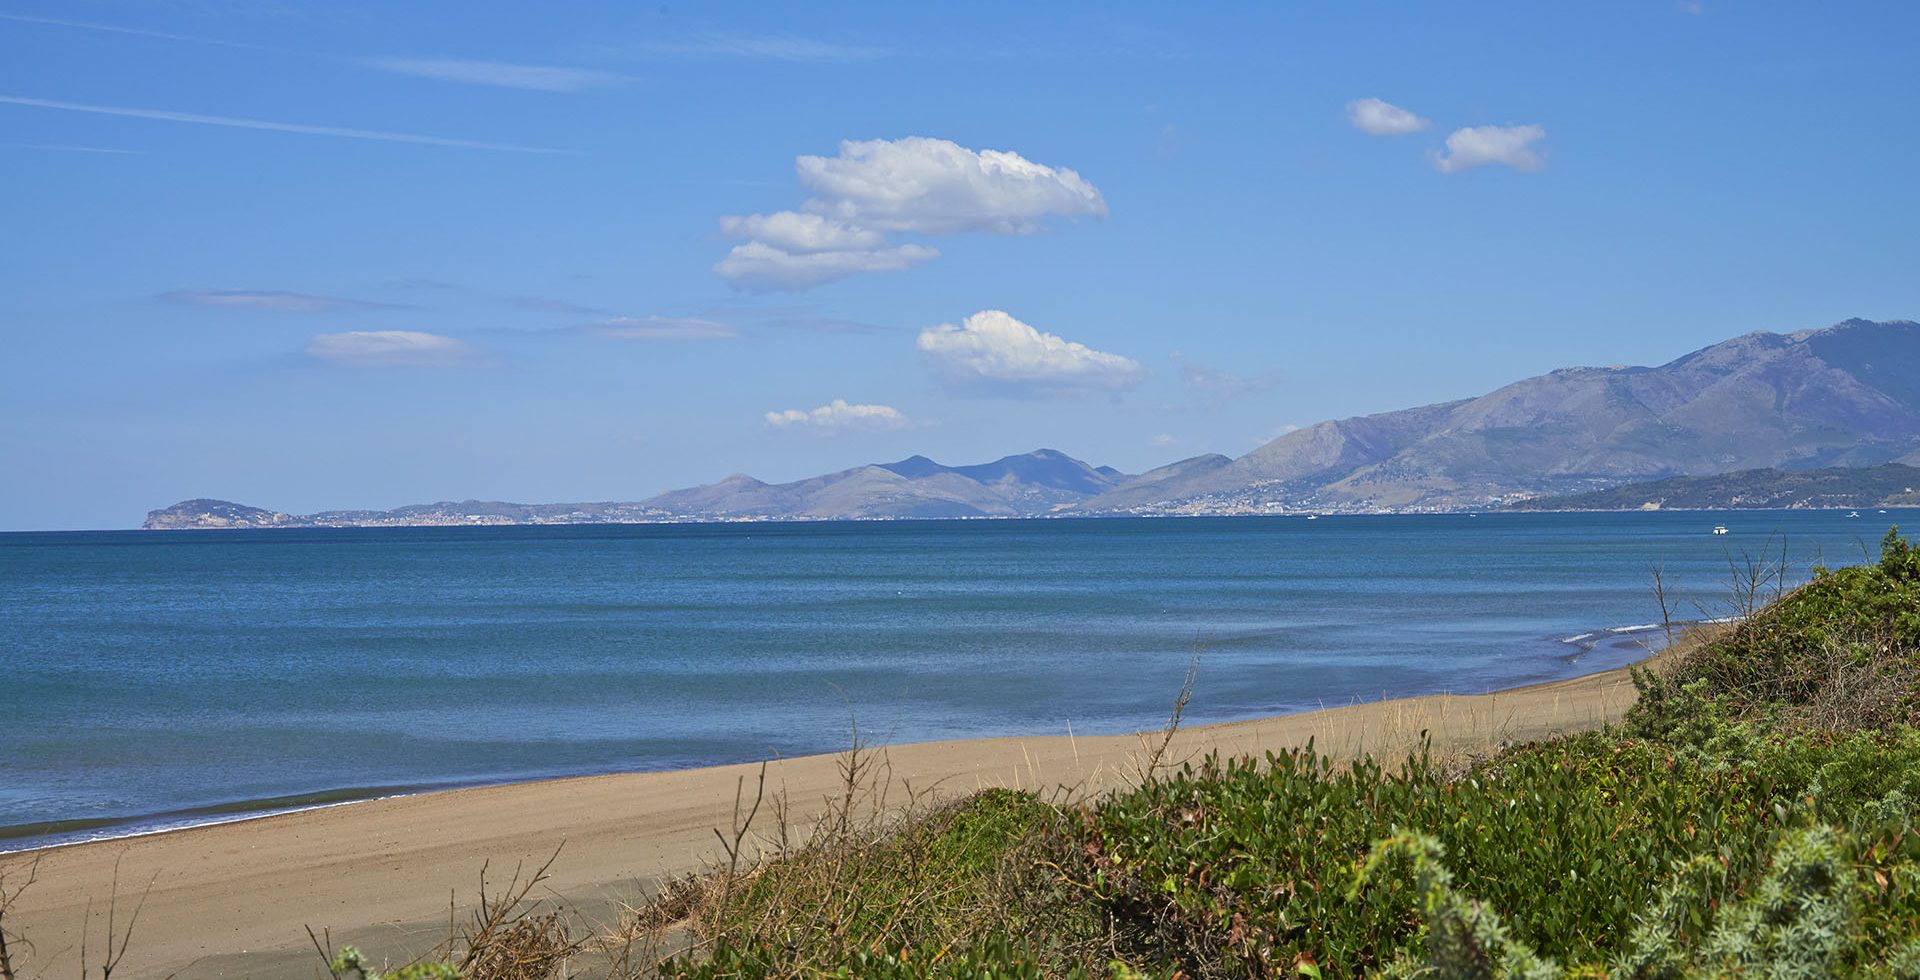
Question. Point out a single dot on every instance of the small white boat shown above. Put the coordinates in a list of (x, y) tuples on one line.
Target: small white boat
[(1853, 513), (1313, 517), (1720, 529)]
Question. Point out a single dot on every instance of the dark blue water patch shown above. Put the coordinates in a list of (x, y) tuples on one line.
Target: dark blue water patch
[(147, 673)]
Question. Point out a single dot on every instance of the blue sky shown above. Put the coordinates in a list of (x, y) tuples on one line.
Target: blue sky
[(335, 255)]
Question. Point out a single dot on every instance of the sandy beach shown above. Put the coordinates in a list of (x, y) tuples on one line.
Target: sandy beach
[(235, 900)]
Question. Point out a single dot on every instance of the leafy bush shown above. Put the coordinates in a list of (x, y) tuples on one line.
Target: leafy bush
[(951, 889), (1843, 651)]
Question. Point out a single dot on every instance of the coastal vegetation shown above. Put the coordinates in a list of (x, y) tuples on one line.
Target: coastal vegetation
[(1754, 815), (1841, 487)]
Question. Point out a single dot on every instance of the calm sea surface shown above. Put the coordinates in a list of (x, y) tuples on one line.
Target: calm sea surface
[(151, 679)]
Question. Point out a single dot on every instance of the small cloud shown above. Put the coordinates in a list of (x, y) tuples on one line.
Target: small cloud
[(270, 300), (758, 265), (539, 78), (992, 348), (839, 416), (1379, 118), (1692, 7), (659, 328), (1479, 146), (390, 348), (1161, 441)]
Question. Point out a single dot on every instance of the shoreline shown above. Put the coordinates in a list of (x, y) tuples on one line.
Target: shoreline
[(1104, 515), (234, 898), (39, 836)]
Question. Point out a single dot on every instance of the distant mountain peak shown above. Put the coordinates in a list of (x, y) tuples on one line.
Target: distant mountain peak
[(1845, 395)]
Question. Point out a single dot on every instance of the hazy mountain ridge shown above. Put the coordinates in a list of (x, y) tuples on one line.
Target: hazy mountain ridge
[(1846, 395), (1027, 485), (1842, 396)]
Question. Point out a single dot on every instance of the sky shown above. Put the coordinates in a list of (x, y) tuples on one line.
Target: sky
[(334, 255)]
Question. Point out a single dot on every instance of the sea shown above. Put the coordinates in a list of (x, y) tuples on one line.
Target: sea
[(151, 680)]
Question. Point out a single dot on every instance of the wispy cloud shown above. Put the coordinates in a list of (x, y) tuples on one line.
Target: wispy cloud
[(85, 25), (198, 119), (1216, 385), (539, 78), (62, 148), (825, 324), (270, 300), (659, 328), (391, 348), (727, 45), (541, 304)]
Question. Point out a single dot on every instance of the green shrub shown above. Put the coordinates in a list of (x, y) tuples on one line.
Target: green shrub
[(1843, 651)]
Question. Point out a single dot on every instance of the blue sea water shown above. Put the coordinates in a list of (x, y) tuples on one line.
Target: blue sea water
[(154, 678)]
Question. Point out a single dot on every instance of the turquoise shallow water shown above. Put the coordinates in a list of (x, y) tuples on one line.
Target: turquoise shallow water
[(160, 678)]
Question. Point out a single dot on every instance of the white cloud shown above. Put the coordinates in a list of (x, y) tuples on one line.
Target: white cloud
[(839, 416), (913, 185), (993, 348), (389, 348), (795, 232), (1478, 146), (272, 300), (758, 265), (660, 328), (1162, 440), (1379, 118), (936, 186), (539, 78)]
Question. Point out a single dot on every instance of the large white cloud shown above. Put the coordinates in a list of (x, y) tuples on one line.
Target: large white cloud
[(914, 185), (389, 348), (839, 416), (937, 187), (993, 348), (1380, 118), (1479, 146), (758, 265)]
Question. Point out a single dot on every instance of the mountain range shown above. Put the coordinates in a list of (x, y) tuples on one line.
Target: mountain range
[(1843, 396), (1846, 395)]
